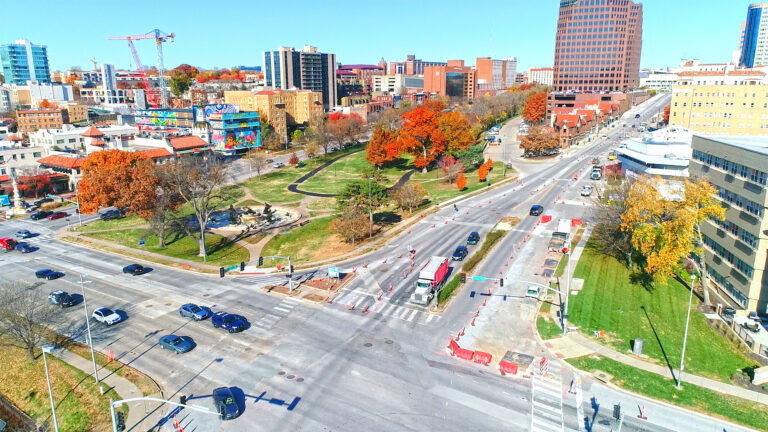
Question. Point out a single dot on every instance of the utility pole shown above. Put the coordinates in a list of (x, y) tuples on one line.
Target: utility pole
[(567, 287), (88, 326), (685, 336), (370, 209)]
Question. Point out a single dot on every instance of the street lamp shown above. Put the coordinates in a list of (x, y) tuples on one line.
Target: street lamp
[(685, 336), (49, 350), (567, 251), (88, 326)]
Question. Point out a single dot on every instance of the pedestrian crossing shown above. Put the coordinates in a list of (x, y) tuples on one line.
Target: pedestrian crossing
[(359, 300), (547, 399), (263, 280), (283, 309)]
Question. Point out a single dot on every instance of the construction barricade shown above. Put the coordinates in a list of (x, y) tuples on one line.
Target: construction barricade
[(482, 357), (507, 368), (546, 218), (460, 352)]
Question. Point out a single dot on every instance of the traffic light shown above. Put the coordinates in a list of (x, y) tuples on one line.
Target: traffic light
[(290, 270), (463, 277), (120, 421), (221, 271), (261, 261), (501, 282), (183, 399), (617, 411), (242, 265)]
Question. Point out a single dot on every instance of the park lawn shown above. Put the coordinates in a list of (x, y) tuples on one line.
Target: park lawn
[(78, 404), (122, 223), (333, 178), (696, 398), (230, 195), (308, 243), (322, 204), (221, 251), (439, 191), (611, 301)]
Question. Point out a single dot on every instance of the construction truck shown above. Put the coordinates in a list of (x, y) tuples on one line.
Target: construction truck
[(560, 236), (432, 277)]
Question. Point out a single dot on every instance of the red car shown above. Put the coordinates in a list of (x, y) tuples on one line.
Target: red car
[(57, 215), (7, 243)]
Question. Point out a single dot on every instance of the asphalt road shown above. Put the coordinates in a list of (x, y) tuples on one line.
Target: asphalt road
[(320, 367)]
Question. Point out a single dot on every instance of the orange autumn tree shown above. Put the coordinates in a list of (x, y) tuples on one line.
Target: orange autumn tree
[(382, 147), (482, 173), (535, 107), (667, 109), (421, 136), (489, 164), (461, 182), (457, 130), (45, 103), (120, 179)]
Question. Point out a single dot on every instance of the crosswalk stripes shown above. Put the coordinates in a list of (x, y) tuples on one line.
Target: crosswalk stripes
[(282, 310), (357, 299), (262, 280), (547, 400)]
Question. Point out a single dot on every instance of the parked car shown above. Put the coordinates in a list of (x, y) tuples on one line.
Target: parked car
[(57, 215), (729, 311), (460, 253), (48, 274), (586, 191), (177, 344), (474, 238), (42, 201), (536, 210), (278, 165), (637, 115), (195, 312), (532, 292), (23, 234), (40, 214), (61, 298), (134, 269), (24, 247), (229, 322), (225, 404), (106, 316), (7, 243), (111, 214)]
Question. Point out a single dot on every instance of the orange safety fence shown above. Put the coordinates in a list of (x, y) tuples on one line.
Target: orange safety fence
[(507, 368), (482, 357)]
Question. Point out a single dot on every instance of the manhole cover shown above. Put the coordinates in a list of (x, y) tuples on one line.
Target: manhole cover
[(389, 341), (383, 270), (281, 373), (247, 349), (291, 376), (299, 379), (368, 345), (168, 304), (148, 306), (206, 295)]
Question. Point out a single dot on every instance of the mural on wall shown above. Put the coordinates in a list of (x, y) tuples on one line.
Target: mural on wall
[(220, 109), (241, 139)]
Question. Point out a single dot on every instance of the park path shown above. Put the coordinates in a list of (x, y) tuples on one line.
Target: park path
[(293, 187)]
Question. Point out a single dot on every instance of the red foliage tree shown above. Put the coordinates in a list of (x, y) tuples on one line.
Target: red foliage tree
[(294, 159), (45, 103), (489, 164), (35, 185), (457, 131), (535, 107), (461, 182), (382, 147), (667, 109), (421, 136), (482, 173)]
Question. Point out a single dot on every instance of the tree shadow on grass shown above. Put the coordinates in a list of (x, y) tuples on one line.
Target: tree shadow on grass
[(658, 340), (387, 218), (643, 279)]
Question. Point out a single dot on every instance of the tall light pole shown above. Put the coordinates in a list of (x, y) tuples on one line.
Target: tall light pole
[(685, 336), (568, 251), (370, 209), (50, 392), (88, 326), (77, 197)]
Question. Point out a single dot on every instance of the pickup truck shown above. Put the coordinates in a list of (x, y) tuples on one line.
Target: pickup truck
[(432, 277)]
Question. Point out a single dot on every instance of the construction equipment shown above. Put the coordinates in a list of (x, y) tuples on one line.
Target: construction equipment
[(95, 64), (159, 36)]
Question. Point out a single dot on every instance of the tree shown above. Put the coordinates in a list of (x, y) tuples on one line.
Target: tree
[(457, 132), (421, 136), (664, 231), (667, 109), (461, 182), (535, 107), (540, 141), (451, 168), (36, 184), (356, 194), (382, 147), (482, 173), (410, 195), (294, 160), (319, 133), (163, 217), (489, 164), (608, 234), (472, 156), (198, 183), (256, 160), (346, 129), (297, 135), (311, 149), (120, 179), (180, 83), (46, 104), (71, 79), (24, 314), (351, 225)]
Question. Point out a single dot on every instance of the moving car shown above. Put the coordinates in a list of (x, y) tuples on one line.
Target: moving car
[(40, 214), (57, 215), (225, 404), (106, 316), (7, 243), (24, 247), (134, 269), (278, 165), (586, 191), (532, 292), (229, 322), (111, 214), (42, 201), (197, 313), (48, 274), (637, 115), (536, 210), (177, 344), (473, 238), (61, 298), (460, 253), (23, 234)]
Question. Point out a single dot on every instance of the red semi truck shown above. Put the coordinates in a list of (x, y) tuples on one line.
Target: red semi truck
[(432, 277)]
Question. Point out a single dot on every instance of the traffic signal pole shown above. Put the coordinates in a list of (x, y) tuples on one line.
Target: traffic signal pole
[(290, 268)]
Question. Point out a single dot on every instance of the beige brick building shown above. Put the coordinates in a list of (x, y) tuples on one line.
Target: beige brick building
[(279, 108)]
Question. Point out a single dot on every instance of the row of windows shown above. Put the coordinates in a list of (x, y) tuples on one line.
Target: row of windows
[(737, 231), (728, 256), (734, 168), (740, 298), (743, 203), (21, 156)]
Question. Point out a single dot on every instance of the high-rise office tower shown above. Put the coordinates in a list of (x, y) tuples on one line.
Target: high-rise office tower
[(23, 61), (307, 69), (598, 45), (754, 49)]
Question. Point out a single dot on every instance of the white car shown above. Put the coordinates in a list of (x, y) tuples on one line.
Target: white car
[(532, 292), (106, 316), (586, 191), (278, 165)]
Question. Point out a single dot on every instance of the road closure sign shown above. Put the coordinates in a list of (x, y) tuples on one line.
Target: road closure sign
[(333, 272)]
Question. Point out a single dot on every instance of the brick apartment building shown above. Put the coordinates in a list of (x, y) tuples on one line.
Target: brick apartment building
[(454, 80), (36, 119)]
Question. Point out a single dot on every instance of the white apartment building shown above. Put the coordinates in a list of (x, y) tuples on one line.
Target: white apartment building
[(665, 153), (71, 138), (659, 81), (543, 76)]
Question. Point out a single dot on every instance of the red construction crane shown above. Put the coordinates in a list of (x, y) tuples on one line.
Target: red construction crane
[(159, 36)]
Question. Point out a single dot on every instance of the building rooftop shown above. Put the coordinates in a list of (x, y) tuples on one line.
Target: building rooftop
[(187, 142), (61, 161), (756, 144)]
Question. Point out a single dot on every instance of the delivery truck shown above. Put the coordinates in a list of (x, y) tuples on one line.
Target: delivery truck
[(432, 277)]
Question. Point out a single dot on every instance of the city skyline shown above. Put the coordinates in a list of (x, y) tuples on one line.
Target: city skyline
[(351, 39)]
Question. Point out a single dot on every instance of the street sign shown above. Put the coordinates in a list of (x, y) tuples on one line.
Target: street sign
[(141, 242), (4, 200), (51, 196), (234, 267), (478, 278), (333, 272)]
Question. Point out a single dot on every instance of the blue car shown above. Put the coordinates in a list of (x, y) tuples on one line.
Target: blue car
[(177, 344), (24, 248), (194, 311), (48, 274), (23, 234), (225, 404), (229, 322)]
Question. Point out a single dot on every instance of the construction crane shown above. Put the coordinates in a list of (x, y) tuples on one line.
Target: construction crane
[(159, 36), (95, 64)]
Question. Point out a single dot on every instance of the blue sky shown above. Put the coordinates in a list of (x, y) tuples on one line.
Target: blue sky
[(226, 33)]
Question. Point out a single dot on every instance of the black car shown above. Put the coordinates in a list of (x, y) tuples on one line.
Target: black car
[(134, 269), (42, 214), (460, 253), (48, 274), (111, 214), (536, 210), (42, 201), (61, 298), (474, 238), (225, 404)]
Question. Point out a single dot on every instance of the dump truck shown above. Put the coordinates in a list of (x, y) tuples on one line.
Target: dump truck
[(560, 236), (432, 277), (597, 172)]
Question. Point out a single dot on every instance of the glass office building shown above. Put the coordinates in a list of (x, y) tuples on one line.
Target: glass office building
[(24, 61)]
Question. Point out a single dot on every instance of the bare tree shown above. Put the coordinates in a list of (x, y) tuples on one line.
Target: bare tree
[(257, 160), (198, 183), (410, 195), (320, 134), (163, 217), (24, 314), (311, 149), (352, 224), (607, 234)]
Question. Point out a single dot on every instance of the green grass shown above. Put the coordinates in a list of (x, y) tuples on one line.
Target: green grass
[(491, 239), (627, 309), (547, 328), (439, 191), (220, 250), (333, 178), (737, 410), (322, 204), (304, 244), (449, 289), (100, 225)]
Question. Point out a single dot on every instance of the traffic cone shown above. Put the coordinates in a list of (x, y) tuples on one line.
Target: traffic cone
[(489, 201), (353, 269), (446, 222), (351, 306), (365, 308), (473, 322), (421, 216), (400, 255), (462, 331), (390, 286), (507, 264), (365, 264), (457, 336), (385, 260), (330, 300), (379, 297), (484, 302)]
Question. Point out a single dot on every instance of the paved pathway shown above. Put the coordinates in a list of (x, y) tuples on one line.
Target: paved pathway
[(293, 187)]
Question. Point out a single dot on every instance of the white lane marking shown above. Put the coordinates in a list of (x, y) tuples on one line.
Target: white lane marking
[(281, 309)]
